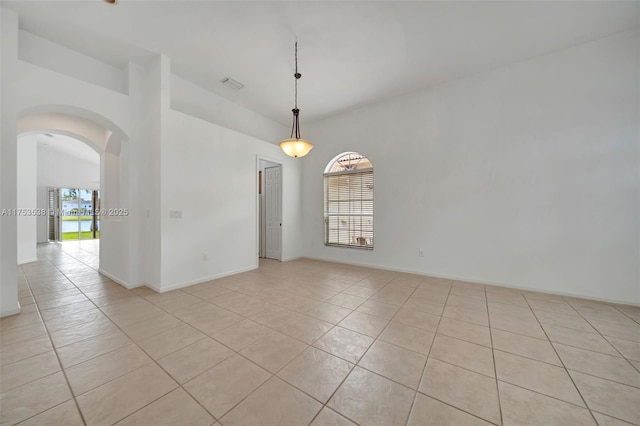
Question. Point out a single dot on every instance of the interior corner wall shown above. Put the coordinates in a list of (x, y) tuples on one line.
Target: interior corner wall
[(525, 176), (149, 92)]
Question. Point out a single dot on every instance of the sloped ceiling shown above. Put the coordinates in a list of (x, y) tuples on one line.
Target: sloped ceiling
[(350, 53)]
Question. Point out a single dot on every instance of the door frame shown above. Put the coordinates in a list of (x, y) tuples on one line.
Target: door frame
[(257, 195)]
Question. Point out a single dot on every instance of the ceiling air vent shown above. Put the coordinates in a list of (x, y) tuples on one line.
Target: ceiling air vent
[(233, 84)]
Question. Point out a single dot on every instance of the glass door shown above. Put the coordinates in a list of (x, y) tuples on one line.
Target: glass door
[(70, 213), (90, 220), (86, 214), (80, 215)]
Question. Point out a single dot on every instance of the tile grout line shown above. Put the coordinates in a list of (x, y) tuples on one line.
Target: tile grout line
[(424, 367), (604, 337), (493, 357), (153, 361), (55, 351), (188, 345), (616, 307), (272, 374), (307, 344), (457, 366), (563, 364), (242, 355), (355, 364), (135, 343), (543, 340)]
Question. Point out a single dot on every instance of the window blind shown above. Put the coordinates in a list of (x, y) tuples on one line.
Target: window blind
[(349, 208)]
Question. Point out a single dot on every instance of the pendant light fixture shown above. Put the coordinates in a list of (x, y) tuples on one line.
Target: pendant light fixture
[(295, 146)]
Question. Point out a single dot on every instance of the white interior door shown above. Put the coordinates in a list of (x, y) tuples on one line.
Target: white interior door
[(273, 209)]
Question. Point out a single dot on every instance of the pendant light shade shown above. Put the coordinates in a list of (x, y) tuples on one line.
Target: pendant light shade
[(295, 146)]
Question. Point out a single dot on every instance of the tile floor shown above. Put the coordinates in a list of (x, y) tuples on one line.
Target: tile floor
[(308, 342)]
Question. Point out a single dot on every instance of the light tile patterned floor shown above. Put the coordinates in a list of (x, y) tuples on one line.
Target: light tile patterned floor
[(309, 342)]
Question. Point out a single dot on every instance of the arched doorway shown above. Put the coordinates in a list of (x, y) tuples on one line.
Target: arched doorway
[(54, 170), (111, 144)]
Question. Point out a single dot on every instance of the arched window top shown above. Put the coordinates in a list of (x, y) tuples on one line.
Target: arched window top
[(348, 162)]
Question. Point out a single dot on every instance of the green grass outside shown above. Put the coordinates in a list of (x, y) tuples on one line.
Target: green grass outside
[(86, 235), (70, 218)]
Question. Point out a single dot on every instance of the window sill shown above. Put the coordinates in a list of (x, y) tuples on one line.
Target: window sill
[(349, 246)]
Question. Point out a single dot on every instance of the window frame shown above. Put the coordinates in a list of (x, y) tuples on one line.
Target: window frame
[(368, 235)]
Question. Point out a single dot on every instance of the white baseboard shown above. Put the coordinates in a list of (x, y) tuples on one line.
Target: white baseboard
[(288, 259), (176, 286), (154, 287), (28, 261), (484, 282), (123, 283), (9, 312)]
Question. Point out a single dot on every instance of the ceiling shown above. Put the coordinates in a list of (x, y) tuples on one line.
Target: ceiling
[(56, 145), (350, 53)]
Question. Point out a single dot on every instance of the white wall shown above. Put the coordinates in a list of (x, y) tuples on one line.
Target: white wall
[(60, 170), (55, 57), (149, 92), (218, 200), (27, 90), (194, 100), (27, 200), (525, 176), (139, 136), (8, 162)]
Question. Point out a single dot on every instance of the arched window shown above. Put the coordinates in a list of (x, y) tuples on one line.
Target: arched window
[(348, 201)]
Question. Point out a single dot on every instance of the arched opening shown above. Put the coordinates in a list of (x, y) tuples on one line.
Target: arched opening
[(58, 182), (107, 142), (348, 201)]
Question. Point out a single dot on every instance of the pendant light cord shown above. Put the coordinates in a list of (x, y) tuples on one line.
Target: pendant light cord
[(297, 76), (295, 129), (295, 146)]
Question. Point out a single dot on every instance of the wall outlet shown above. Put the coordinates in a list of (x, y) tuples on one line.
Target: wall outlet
[(420, 253), (205, 256)]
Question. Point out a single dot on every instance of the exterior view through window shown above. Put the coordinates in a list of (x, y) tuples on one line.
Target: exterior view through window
[(74, 214), (348, 201)]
